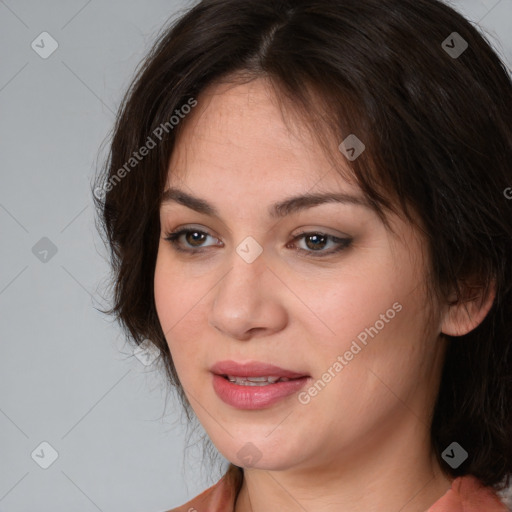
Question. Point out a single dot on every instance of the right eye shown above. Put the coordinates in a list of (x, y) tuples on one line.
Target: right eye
[(192, 239)]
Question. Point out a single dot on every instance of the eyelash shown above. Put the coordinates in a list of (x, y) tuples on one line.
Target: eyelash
[(343, 243)]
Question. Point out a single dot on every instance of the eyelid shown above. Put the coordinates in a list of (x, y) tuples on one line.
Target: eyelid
[(320, 231), (342, 242), (173, 236)]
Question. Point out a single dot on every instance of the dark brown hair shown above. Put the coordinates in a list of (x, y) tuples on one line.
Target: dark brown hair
[(435, 117)]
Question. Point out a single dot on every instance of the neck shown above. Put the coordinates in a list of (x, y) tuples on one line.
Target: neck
[(386, 478)]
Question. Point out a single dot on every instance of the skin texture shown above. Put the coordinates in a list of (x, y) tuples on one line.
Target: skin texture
[(362, 443)]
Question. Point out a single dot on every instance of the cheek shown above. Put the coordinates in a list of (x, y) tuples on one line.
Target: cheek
[(176, 292), (342, 306), (177, 305), (183, 301), (165, 295), (376, 317)]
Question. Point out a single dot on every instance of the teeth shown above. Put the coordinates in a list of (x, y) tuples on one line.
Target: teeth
[(256, 381)]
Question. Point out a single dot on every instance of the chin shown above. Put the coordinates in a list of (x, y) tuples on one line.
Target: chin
[(263, 455)]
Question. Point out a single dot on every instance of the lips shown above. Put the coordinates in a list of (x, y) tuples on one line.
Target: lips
[(254, 385), (253, 369)]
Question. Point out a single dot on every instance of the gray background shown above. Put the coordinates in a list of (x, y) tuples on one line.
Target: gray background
[(67, 376)]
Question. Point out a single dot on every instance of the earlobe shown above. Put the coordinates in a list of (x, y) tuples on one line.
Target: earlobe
[(467, 312)]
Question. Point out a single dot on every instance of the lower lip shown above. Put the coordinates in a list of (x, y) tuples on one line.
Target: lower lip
[(255, 397)]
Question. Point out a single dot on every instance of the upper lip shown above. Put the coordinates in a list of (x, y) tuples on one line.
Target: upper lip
[(253, 369)]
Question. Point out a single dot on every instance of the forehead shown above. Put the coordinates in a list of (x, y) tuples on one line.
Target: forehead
[(240, 132)]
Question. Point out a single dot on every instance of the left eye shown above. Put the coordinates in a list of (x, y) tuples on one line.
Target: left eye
[(315, 243), (193, 237)]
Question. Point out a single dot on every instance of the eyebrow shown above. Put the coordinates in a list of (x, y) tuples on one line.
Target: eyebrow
[(278, 210)]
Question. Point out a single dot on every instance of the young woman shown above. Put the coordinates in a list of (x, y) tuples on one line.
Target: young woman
[(308, 204)]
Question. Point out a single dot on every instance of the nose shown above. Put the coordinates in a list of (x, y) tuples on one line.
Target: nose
[(249, 301)]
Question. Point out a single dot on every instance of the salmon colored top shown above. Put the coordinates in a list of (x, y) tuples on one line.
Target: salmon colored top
[(467, 494)]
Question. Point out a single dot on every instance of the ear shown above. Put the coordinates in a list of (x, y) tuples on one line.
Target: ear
[(465, 313)]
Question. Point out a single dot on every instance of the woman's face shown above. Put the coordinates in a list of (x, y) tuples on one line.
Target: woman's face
[(318, 288)]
